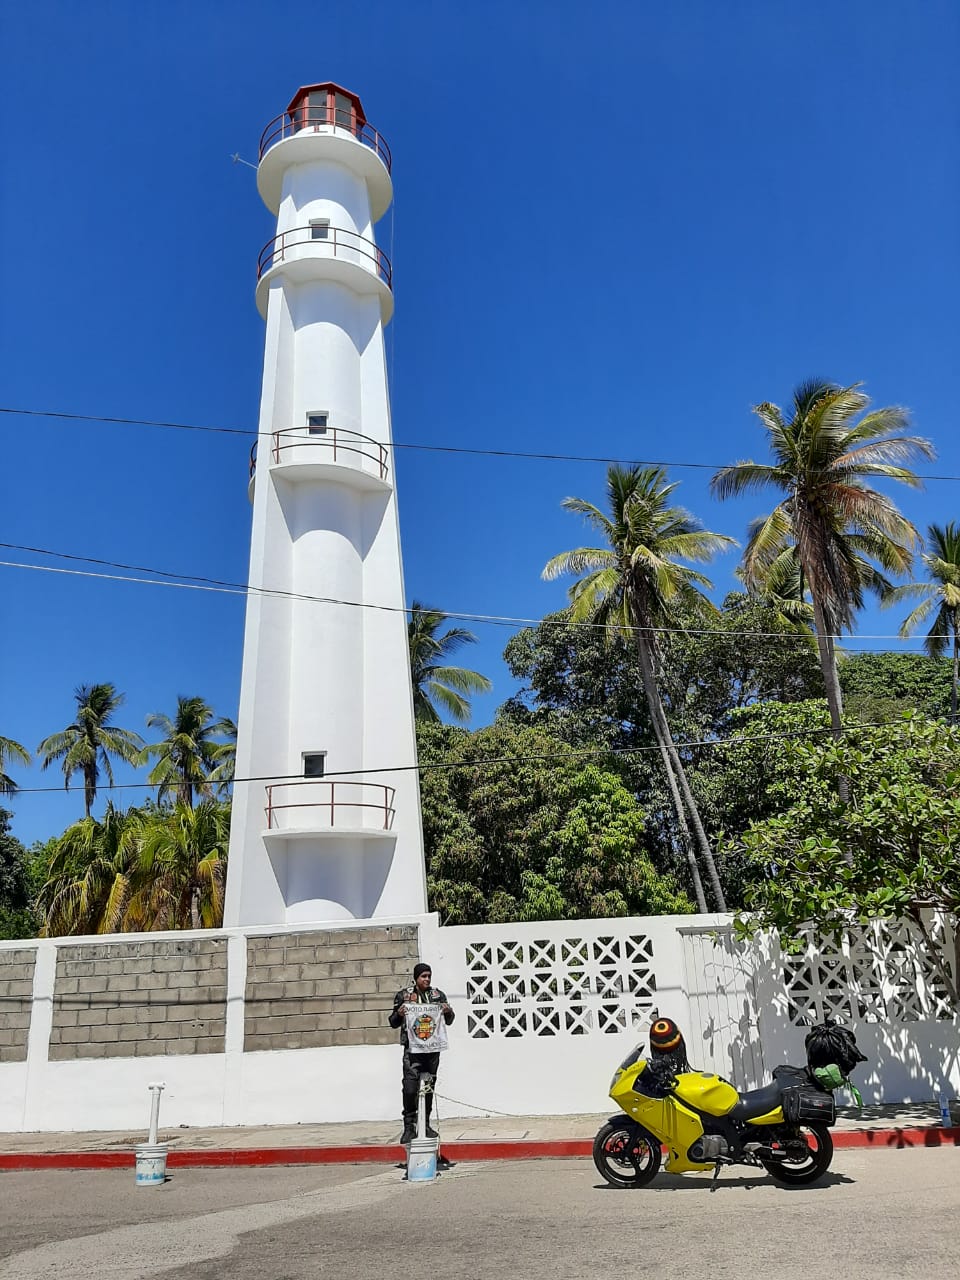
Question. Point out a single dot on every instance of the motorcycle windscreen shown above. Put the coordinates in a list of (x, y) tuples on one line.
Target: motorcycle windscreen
[(634, 1056)]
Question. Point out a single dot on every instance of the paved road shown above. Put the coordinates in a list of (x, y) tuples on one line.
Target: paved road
[(880, 1214)]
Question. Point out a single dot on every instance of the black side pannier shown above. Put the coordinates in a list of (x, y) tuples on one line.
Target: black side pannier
[(788, 1077), (807, 1105)]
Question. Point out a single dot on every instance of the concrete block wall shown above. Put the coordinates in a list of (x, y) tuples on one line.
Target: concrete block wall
[(138, 999), (16, 1001), (325, 987)]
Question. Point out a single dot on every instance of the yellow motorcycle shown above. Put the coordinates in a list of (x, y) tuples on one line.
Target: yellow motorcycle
[(703, 1123)]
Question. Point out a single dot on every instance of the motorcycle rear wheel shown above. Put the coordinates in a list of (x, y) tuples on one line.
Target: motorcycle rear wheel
[(626, 1155), (798, 1173)]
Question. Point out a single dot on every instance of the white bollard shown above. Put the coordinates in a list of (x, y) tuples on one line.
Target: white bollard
[(422, 1152), (156, 1089), (152, 1155)]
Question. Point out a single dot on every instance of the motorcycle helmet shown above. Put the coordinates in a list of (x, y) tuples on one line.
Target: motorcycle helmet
[(667, 1047)]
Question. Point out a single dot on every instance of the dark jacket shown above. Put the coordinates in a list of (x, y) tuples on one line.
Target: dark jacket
[(410, 995)]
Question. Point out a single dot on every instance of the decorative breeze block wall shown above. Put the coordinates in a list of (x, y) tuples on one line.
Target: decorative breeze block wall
[(879, 972), (318, 988), (16, 1002), (577, 986), (138, 999)]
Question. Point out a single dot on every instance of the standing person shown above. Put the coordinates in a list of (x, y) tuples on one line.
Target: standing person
[(416, 1065)]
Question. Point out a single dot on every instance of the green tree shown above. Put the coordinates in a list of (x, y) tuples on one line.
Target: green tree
[(89, 879), (87, 745), (148, 868), (189, 754), (436, 685), (181, 868), (750, 774), (839, 527), (632, 585), (940, 597), (715, 675), (10, 750), (225, 759), (17, 919), (519, 826), (885, 686), (889, 852)]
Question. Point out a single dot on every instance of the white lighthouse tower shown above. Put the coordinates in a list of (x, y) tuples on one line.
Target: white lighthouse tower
[(329, 827)]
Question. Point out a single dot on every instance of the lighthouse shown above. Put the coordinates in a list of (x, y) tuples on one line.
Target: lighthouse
[(326, 810)]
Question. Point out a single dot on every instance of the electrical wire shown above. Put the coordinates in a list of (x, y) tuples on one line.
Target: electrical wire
[(574, 753), (200, 582), (400, 444)]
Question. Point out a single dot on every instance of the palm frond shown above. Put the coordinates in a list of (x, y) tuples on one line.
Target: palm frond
[(747, 477), (580, 560), (449, 699)]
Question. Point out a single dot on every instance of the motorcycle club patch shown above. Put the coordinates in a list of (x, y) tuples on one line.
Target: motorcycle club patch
[(426, 1029)]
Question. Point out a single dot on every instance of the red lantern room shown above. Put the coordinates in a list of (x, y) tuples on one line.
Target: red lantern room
[(327, 103), (324, 121)]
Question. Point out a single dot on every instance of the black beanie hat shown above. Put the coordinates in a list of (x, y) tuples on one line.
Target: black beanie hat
[(665, 1036), (421, 968)]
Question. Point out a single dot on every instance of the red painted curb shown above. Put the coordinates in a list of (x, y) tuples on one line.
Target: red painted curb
[(550, 1149), (875, 1139)]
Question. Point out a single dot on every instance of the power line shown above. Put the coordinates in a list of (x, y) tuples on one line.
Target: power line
[(541, 758), (398, 444), (200, 582)]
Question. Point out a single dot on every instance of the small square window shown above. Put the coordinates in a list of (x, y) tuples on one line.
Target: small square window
[(313, 764), (317, 423), (319, 228)]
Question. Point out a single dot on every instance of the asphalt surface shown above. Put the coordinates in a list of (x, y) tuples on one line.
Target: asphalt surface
[(877, 1214)]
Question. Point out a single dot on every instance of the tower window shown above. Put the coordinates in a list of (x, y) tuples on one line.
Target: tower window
[(319, 228), (317, 423), (313, 763)]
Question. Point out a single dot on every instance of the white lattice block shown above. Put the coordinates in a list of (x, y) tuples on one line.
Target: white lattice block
[(544, 987)]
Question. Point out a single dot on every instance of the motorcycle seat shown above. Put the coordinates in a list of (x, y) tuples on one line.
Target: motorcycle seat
[(757, 1102)]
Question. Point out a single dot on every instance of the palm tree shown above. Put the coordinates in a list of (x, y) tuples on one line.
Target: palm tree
[(88, 883), (633, 585), (87, 745), (839, 528), (181, 868), (188, 755), (941, 593), (10, 750), (435, 684), (225, 755), (781, 586)]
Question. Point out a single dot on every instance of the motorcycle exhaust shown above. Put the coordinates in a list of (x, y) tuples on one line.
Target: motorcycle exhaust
[(710, 1147)]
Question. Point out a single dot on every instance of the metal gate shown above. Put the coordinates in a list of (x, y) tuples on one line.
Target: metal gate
[(723, 1035)]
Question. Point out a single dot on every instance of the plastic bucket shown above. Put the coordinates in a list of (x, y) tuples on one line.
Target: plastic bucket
[(422, 1160), (151, 1164)]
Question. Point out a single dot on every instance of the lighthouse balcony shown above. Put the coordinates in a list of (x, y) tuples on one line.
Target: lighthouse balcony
[(319, 252), (325, 130), (329, 807), (303, 454)]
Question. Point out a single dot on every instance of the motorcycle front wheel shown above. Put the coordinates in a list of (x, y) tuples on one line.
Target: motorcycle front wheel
[(626, 1155), (807, 1167)]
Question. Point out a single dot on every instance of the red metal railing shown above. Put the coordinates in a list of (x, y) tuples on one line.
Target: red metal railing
[(335, 439), (319, 117), (334, 801), (336, 242)]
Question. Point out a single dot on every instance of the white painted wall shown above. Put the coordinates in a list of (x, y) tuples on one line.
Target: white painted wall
[(525, 1074)]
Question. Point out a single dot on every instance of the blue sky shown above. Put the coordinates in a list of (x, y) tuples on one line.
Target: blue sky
[(616, 227)]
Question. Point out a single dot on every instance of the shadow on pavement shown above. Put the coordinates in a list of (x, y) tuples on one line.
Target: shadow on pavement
[(740, 1183)]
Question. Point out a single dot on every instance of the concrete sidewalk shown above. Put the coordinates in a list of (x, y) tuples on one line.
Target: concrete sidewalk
[(481, 1137)]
